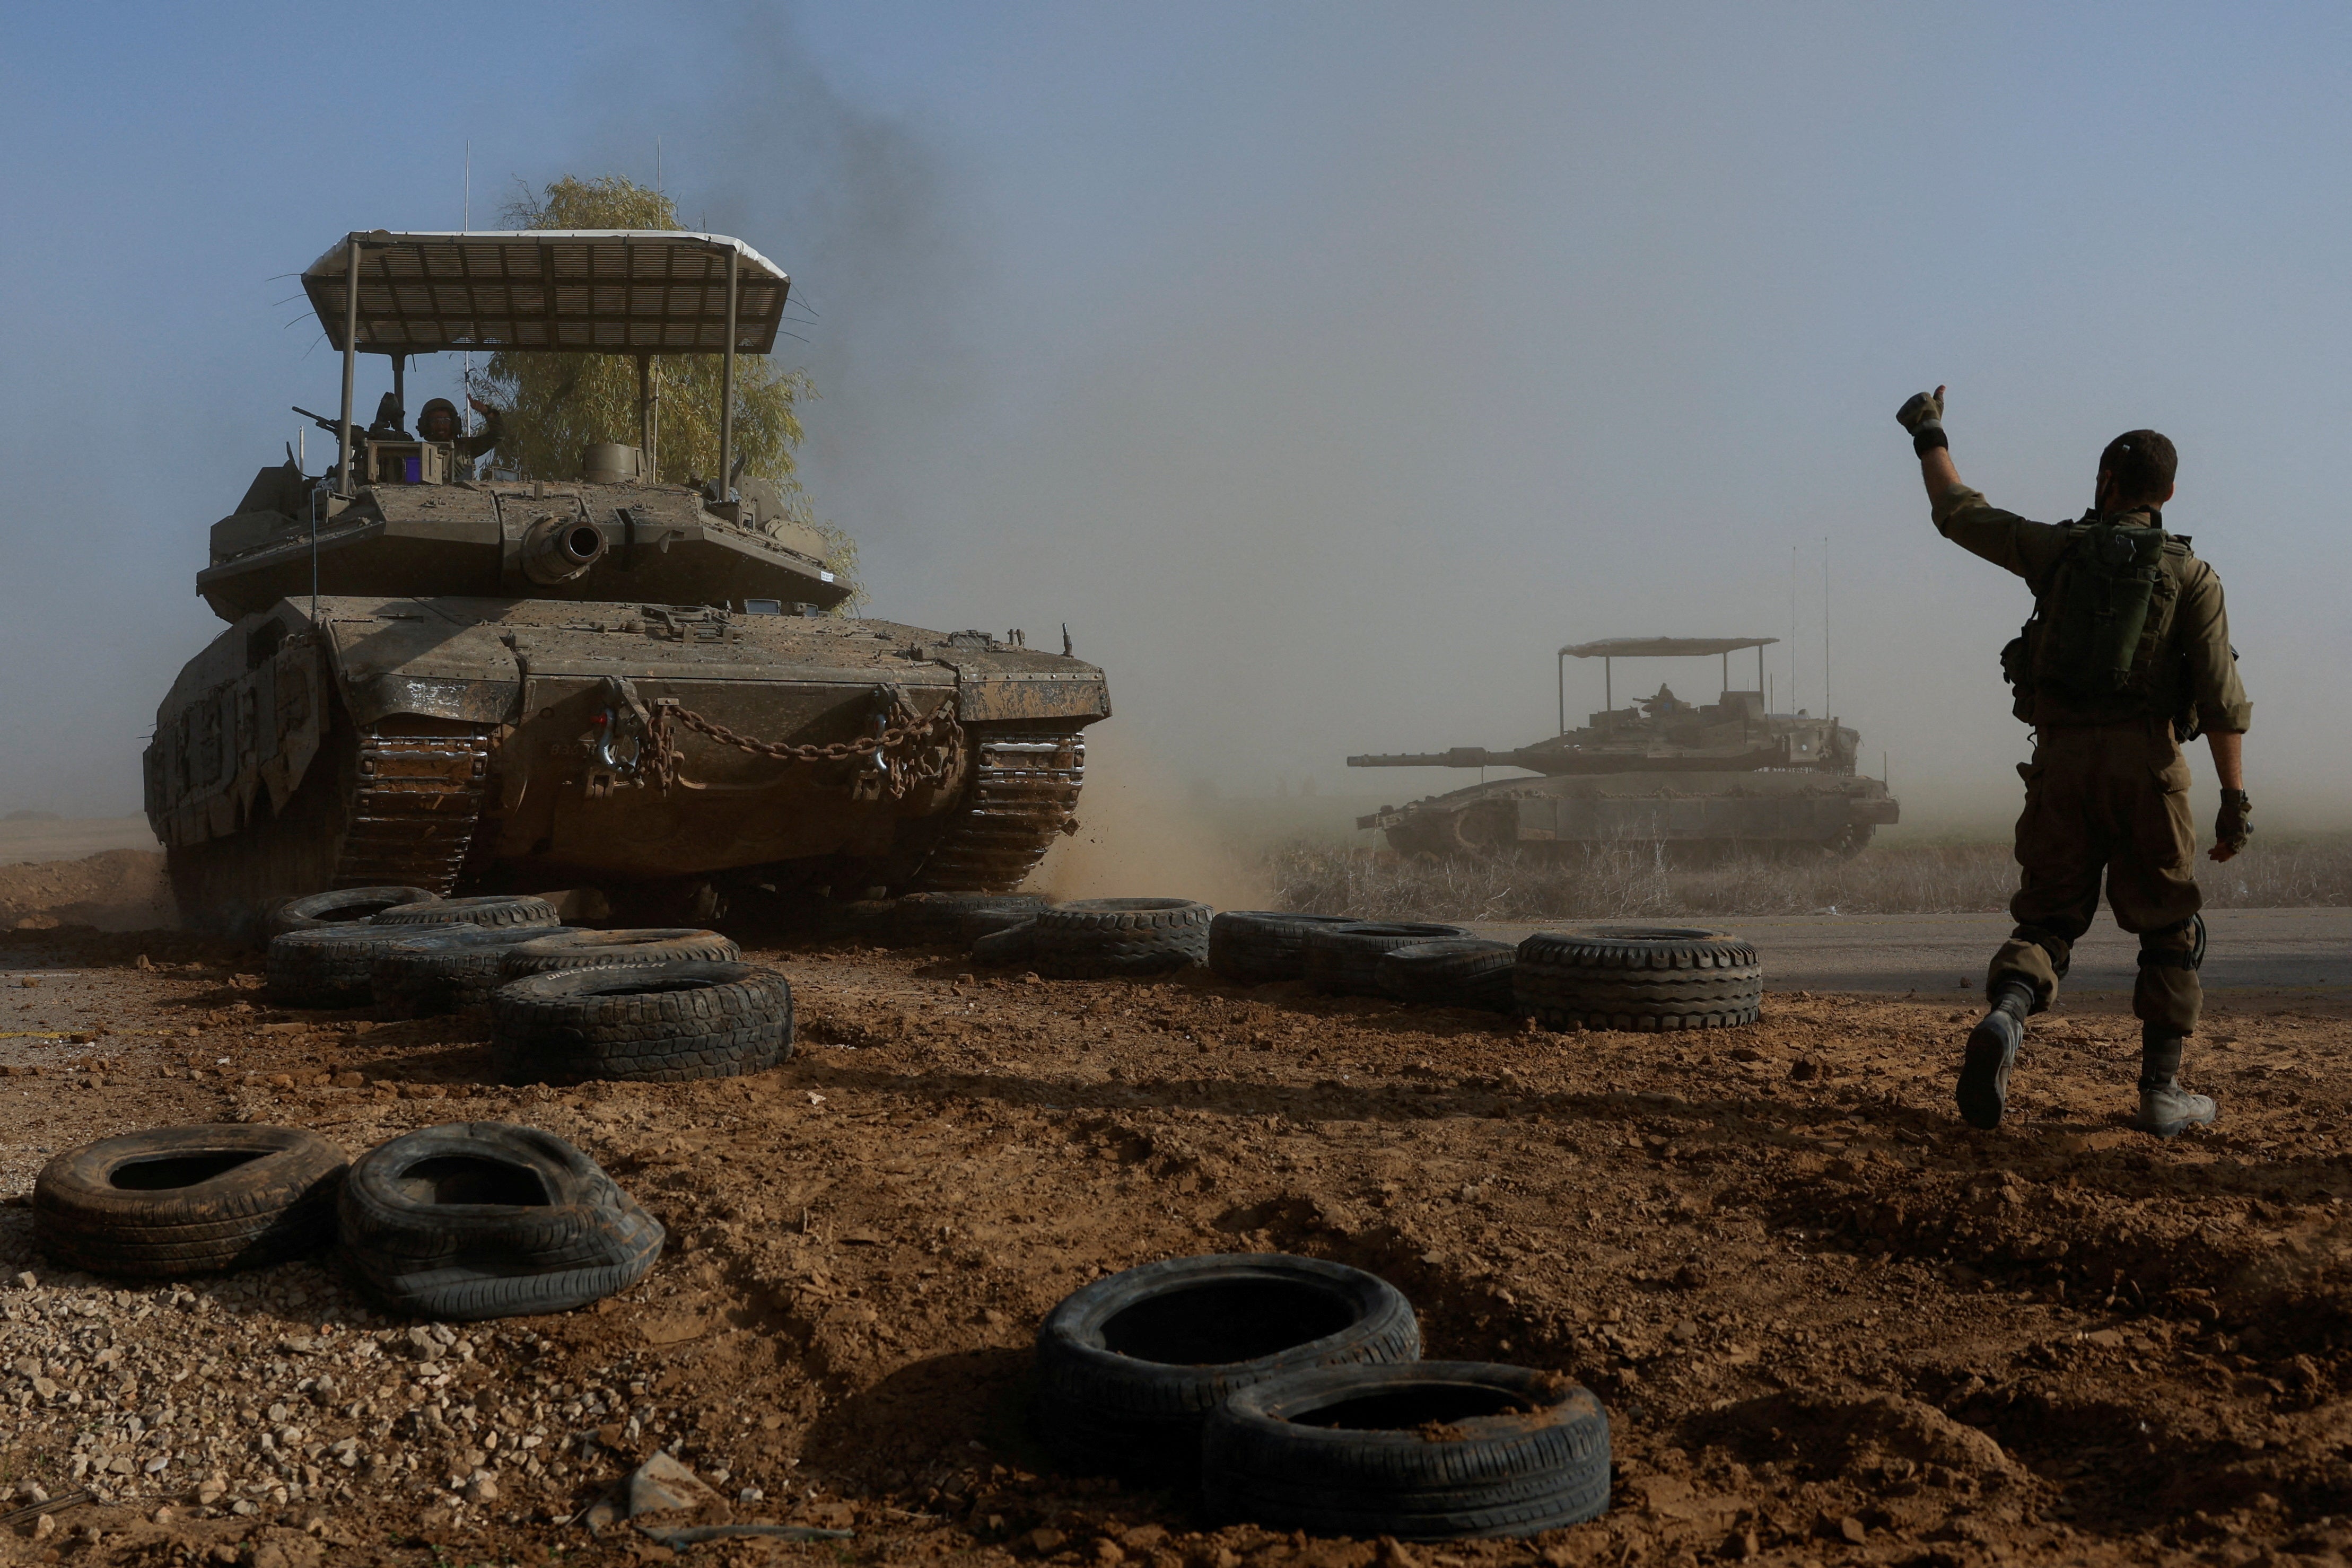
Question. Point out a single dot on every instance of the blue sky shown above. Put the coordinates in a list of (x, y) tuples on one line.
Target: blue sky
[(1324, 367)]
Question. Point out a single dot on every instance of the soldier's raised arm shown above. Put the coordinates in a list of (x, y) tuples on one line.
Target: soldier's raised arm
[(1962, 515)]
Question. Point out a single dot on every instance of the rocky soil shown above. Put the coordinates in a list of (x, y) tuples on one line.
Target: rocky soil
[(1831, 1324)]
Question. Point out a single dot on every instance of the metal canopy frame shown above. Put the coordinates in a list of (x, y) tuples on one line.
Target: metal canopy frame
[(1609, 649), (604, 292)]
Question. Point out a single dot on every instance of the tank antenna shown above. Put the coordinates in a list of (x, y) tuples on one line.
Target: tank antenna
[(1825, 626), (314, 559), (344, 485), (465, 375)]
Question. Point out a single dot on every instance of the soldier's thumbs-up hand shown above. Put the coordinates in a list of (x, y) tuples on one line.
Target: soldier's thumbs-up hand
[(1921, 410)]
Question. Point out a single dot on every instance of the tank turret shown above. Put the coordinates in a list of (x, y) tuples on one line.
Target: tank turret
[(473, 682)]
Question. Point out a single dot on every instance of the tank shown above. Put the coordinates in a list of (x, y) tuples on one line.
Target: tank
[(1704, 778), (481, 684)]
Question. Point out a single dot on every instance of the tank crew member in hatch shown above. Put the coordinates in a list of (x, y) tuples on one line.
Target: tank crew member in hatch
[(438, 420), (2126, 656)]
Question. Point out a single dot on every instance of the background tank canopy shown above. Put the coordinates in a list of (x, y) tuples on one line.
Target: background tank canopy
[(550, 290), (1662, 647)]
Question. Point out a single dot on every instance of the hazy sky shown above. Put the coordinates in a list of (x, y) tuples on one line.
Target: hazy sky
[(1324, 367)]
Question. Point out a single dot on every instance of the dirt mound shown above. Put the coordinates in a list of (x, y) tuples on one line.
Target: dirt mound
[(117, 890)]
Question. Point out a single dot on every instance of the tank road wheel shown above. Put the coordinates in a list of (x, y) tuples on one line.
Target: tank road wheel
[(1477, 832), (1850, 839), (1486, 830), (1022, 796)]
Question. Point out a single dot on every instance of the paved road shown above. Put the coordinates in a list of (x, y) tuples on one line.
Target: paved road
[(2249, 949)]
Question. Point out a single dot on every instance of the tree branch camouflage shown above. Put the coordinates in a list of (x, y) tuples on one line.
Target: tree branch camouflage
[(554, 406)]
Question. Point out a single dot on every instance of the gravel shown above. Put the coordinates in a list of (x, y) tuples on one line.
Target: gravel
[(270, 1392)]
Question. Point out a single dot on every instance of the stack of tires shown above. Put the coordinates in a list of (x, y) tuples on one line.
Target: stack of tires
[(663, 1022), (477, 1219), (326, 948), (1292, 1392), (659, 1004)]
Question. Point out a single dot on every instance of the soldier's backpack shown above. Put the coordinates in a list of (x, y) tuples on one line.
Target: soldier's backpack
[(2098, 623)]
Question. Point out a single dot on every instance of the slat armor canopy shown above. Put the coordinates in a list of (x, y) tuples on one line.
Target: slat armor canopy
[(550, 290), (1662, 647)]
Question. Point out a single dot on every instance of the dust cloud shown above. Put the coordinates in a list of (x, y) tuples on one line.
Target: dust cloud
[(1140, 837)]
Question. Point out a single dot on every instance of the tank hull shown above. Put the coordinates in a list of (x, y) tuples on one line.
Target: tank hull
[(474, 743), (1797, 809)]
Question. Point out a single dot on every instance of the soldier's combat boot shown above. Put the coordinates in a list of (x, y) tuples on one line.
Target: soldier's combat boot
[(2164, 1107), (1992, 1049)]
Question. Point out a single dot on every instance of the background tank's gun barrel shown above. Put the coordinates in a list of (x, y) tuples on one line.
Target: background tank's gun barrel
[(1458, 756)]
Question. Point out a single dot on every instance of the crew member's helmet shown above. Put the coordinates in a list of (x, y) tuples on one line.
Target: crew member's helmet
[(437, 420)]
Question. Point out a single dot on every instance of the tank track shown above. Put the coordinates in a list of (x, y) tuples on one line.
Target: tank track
[(412, 815), (1024, 796)]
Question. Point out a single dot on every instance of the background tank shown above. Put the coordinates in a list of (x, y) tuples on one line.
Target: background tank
[(474, 685), (1724, 775)]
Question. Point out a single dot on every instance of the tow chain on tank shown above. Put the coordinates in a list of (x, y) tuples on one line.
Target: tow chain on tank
[(1025, 795), (911, 748), (413, 820)]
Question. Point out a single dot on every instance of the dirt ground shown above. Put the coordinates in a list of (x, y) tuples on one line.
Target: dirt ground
[(1830, 1324), (121, 889)]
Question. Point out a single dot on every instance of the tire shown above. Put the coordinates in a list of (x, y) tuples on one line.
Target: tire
[(490, 909), (957, 919), (660, 1023), (1638, 977), (1102, 938), (330, 965), (442, 969), (1258, 947), (1129, 1367), (1345, 958), (1457, 972), (344, 906), (485, 1220), (545, 951), (1438, 1451), (1014, 944), (175, 1201)]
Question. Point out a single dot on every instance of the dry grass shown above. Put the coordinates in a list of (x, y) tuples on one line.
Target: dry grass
[(1605, 881)]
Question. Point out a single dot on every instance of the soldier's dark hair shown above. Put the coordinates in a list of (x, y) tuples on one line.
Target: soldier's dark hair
[(2143, 463)]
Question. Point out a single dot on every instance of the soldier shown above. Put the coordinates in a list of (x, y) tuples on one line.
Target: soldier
[(2128, 653), (438, 420)]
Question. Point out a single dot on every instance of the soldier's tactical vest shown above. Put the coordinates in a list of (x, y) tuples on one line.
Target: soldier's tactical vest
[(2094, 649)]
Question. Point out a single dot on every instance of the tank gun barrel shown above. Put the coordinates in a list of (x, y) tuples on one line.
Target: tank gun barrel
[(1458, 756)]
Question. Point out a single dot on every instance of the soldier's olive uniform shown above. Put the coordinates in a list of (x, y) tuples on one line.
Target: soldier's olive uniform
[(2107, 790)]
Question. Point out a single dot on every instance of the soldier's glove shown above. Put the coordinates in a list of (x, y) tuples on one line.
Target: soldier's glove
[(2230, 828), (1922, 415)]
